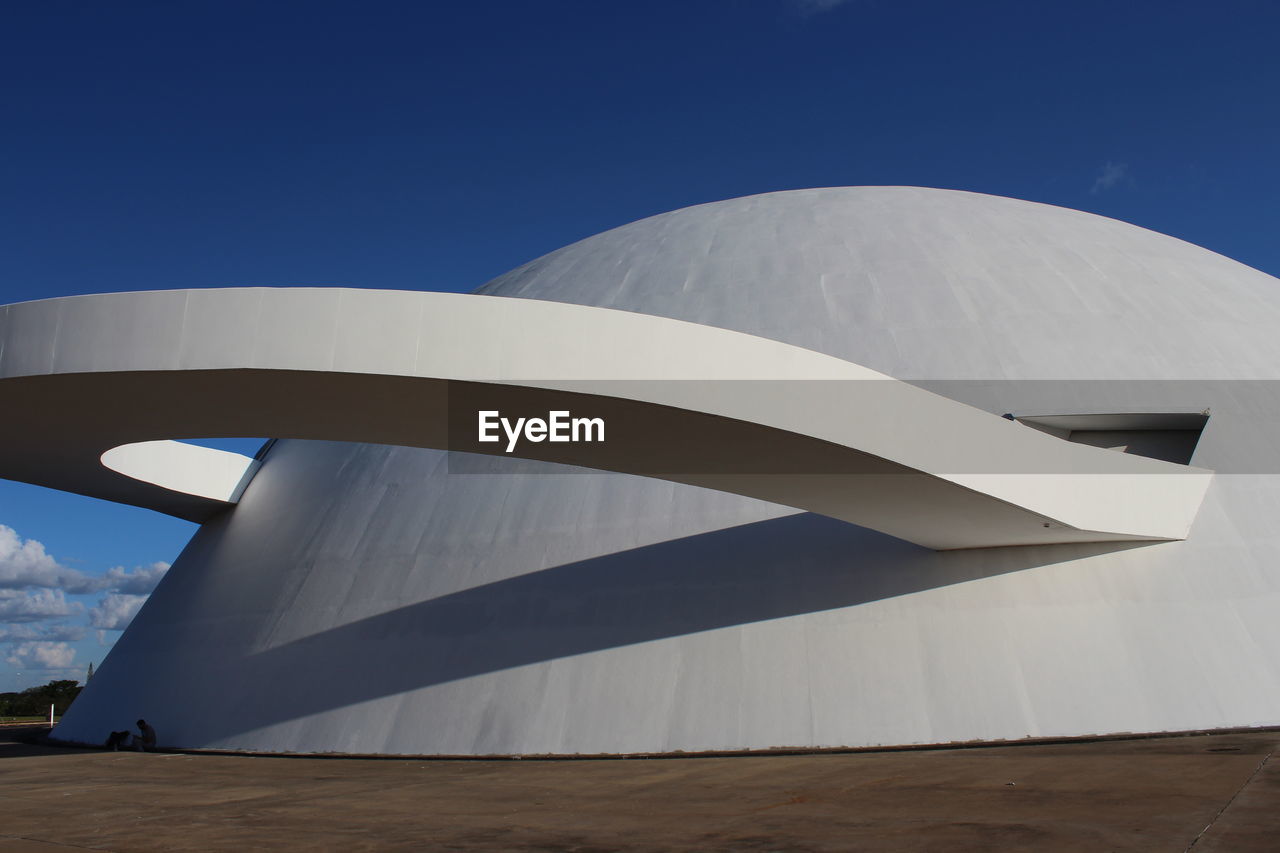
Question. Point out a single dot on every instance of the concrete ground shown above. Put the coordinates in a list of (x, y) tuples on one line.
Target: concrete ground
[(1207, 793)]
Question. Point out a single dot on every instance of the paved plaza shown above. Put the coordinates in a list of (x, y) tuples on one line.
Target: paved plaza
[(1204, 792)]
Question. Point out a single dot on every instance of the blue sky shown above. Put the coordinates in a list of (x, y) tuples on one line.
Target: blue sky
[(433, 146)]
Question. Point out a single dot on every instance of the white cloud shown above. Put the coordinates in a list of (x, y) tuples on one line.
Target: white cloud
[(28, 631), (41, 654), (817, 7), (35, 605), (33, 602), (25, 563), (140, 581), (1111, 174), (114, 611)]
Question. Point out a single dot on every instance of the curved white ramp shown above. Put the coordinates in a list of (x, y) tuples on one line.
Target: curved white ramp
[(680, 401)]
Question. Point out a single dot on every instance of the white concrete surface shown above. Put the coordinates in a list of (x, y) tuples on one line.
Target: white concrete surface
[(187, 469), (839, 439), (368, 598)]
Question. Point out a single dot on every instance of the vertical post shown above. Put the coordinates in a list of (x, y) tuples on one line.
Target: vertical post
[(50, 716)]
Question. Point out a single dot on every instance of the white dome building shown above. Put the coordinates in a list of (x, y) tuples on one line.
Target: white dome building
[(365, 598)]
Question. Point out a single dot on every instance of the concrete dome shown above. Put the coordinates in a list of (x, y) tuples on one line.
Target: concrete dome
[(934, 284), (364, 598)]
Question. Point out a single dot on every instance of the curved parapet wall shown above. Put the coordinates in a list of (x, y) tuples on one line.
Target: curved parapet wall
[(802, 429), (177, 468), (368, 598)]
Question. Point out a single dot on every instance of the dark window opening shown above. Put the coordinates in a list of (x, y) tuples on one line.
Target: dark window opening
[(1171, 437)]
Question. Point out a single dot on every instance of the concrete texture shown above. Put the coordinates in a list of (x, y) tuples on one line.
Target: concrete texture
[(374, 599), (1206, 793), (683, 402)]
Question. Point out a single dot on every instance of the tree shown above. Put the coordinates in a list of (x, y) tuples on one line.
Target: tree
[(35, 701)]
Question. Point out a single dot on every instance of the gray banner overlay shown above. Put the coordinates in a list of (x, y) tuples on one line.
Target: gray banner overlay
[(1171, 420)]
